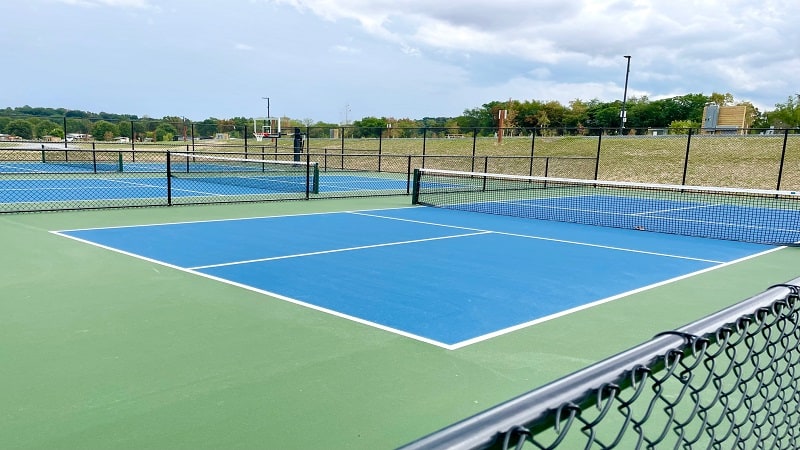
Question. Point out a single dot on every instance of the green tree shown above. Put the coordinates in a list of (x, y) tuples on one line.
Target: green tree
[(369, 127), (207, 127), (527, 113), (682, 126), (21, 128), (79, 126), (124, 128), (752, 114), (105, 131), (576, 114), (4, 121), (57, 132), (165, 132), (786, 115), (721, 99), (603, 115), (482, 118), (48, 128)]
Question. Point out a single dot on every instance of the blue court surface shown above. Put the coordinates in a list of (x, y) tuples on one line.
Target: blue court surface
[(443, 277), (154, 186)]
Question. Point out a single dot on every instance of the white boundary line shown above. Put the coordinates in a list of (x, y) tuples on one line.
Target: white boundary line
[(338, 250), (268, 293), (454, 346), (604, 300), (563, 241)]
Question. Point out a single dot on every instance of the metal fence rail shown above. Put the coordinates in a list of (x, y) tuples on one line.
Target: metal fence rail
[(729, 380)]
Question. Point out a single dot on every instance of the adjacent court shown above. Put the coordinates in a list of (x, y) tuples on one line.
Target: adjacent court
[(442, 277), (105, 178)]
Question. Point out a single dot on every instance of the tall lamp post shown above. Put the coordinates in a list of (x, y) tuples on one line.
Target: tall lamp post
[(267, 99), (622, 114)]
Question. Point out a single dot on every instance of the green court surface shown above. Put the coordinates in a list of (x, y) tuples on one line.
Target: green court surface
[(101, 350)]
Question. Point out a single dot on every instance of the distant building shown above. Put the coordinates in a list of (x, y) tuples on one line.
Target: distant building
[(78, 137), (725, 119)]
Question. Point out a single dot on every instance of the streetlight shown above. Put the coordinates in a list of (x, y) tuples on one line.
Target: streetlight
[(622, 115), (267, 99)]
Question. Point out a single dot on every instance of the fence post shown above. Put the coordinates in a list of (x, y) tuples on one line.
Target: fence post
[(308, 162), (783, 157), (308, 140), (597, 157), (686, 158), (380, 146), (408, 174), (245, 139), (94, 158), (169, 180), (424, 143), (533, 148), (474, 147), (65, 131)]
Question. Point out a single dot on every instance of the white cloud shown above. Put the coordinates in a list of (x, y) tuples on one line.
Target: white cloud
[(714, 45), (140, 4), (410, 58), (345, 49)]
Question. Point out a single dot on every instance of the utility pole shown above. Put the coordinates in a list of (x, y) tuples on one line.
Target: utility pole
[(501, 118)]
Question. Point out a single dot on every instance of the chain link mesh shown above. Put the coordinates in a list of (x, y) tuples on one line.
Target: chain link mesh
[(734, 386)]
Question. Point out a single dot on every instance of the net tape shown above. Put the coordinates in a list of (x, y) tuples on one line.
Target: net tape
[(752, 215), (270, 175)]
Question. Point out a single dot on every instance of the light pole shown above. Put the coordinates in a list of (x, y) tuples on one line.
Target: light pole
[(622, 114), (267, 99)]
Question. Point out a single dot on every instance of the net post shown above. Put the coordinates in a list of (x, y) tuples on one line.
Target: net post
[(315, 179), (415, 188), (119, 161), (94, 158)]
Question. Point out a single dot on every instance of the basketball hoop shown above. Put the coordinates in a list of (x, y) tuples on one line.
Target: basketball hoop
[(259, 136)]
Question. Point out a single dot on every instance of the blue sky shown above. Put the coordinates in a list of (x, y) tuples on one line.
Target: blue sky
[(337, 60)]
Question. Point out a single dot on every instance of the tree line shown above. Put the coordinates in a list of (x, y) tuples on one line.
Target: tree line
[(680, 112)]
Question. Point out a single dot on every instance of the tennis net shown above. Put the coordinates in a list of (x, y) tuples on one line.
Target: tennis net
[(760, 216), (84, 160), (245, 174)]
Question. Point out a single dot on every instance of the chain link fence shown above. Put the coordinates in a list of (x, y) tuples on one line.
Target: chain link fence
[(354, 163), (729, 380)]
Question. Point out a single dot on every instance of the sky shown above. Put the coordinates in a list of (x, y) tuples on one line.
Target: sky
[(337, 61)]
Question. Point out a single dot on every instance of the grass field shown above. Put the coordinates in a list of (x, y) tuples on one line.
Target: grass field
[(749, 161)]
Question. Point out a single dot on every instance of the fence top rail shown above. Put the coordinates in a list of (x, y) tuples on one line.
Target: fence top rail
[(484, 429)]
